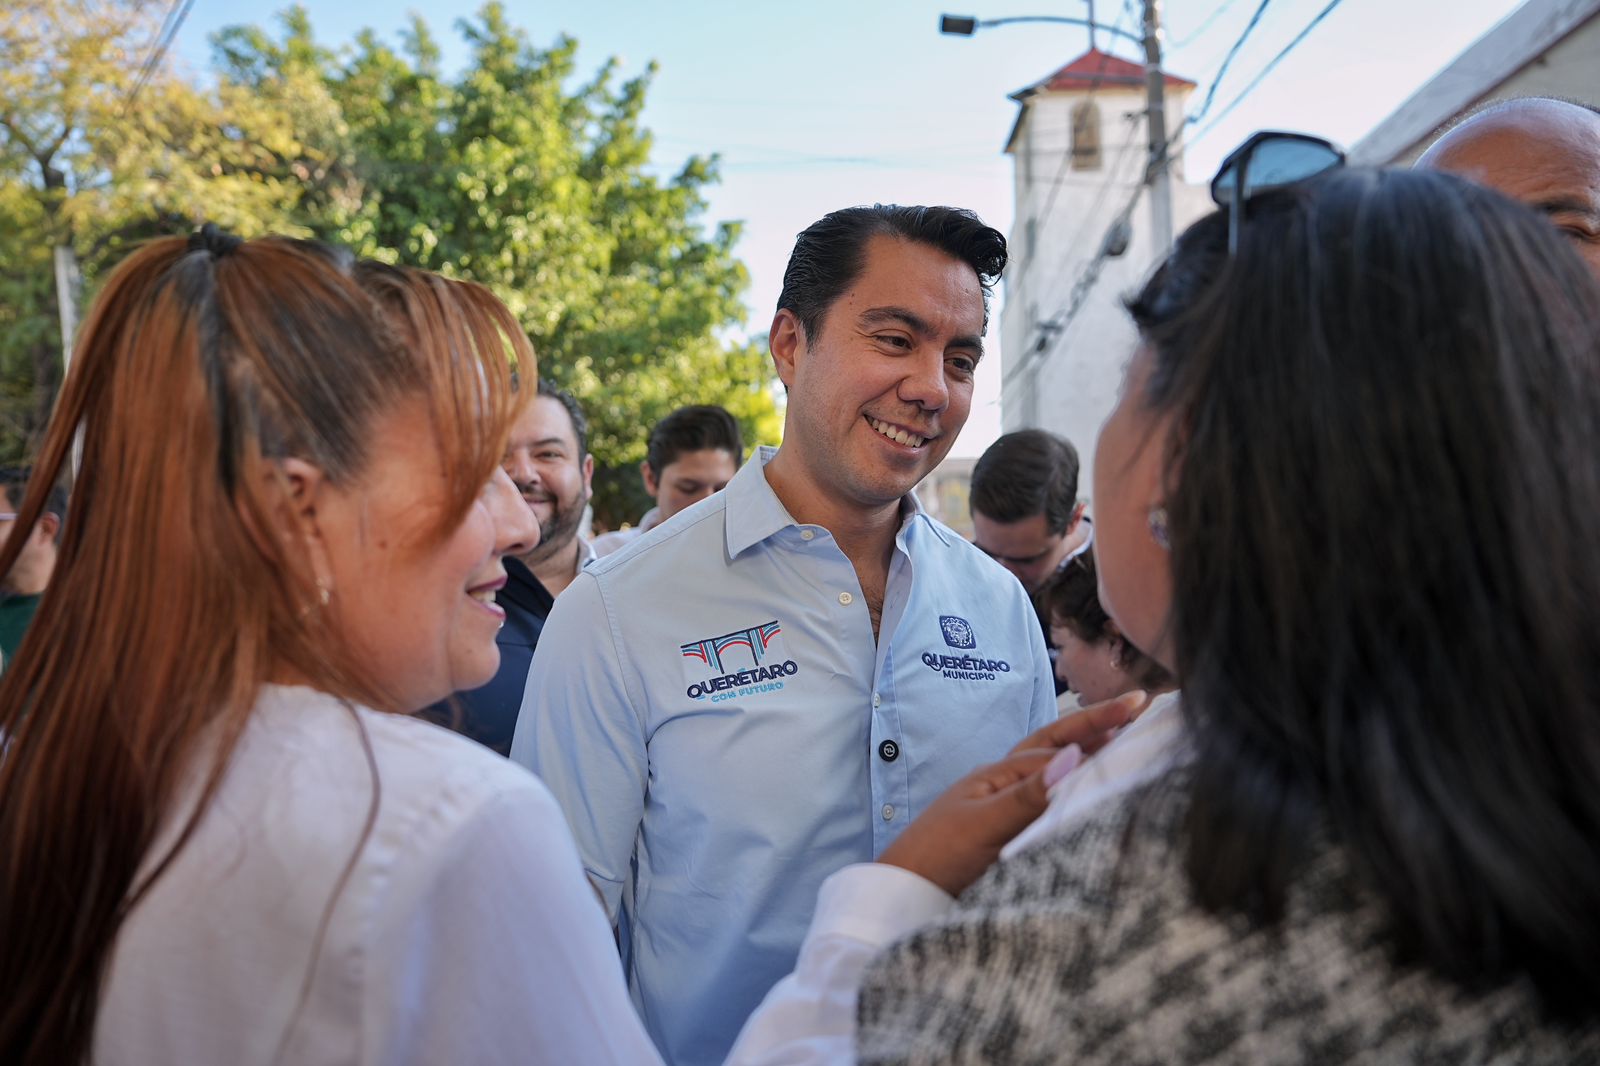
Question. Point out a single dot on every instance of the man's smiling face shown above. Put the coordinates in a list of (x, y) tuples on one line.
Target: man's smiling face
[(877, 397)]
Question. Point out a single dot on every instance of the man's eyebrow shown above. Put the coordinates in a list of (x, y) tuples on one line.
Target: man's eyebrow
[(875, 316), (1563, 205), (545, 442), (917, 324)]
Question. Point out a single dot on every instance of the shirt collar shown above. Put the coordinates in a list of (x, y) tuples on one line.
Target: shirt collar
[(586, 555), (753, 511), (1088, 542)]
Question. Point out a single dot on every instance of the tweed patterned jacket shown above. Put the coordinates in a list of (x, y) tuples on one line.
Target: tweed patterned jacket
[(1088, 949)]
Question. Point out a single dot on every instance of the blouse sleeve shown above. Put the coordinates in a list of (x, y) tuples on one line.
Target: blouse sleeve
[(501, 952), (809, 1018)]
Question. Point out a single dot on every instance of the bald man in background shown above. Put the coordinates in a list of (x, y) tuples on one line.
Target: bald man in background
[(1540, 151)]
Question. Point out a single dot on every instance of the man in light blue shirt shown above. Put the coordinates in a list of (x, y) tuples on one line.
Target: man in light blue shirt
[(771, 684)]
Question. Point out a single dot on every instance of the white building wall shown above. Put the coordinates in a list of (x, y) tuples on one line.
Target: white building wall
[(1070, 385)]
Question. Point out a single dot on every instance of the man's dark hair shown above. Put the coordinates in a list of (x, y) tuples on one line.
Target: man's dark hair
[(1382, 506), (1026, 473), (14, 479), (580, 424), (694, 428), (829, 254)]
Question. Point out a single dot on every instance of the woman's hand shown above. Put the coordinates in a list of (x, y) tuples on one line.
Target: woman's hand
[(961, 833)]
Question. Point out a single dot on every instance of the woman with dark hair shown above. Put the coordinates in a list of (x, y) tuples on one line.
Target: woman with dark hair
[(1094, 660), (1350, 496), (221, 837)]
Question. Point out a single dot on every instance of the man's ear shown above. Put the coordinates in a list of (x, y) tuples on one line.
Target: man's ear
[(648, 476), (588, 476), (1077, 516), (787, 340)]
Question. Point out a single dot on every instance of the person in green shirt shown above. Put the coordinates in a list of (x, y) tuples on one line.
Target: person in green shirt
[(24, 584)]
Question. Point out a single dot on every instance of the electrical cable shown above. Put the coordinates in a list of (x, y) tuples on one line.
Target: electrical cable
[(1056, 326), (1262, 74), (165, 35), (1211, 93), (1220, 10)]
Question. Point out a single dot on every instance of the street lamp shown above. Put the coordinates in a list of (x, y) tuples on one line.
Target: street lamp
[(1156, 175), (967, 25)]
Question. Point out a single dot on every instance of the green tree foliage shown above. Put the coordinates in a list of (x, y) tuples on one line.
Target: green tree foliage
[(100, 148), (515, 171)]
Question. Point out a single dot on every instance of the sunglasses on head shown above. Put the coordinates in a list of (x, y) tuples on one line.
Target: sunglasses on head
[(1268, 160)]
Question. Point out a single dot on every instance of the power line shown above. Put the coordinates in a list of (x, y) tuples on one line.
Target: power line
[(165, 35), (1055, 327), (1211, 93), (1046, 330), (1059, 323), (1211, 19), (1261, 76)]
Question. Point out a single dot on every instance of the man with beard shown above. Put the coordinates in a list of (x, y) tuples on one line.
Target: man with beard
[(775, 681), (548, 458)]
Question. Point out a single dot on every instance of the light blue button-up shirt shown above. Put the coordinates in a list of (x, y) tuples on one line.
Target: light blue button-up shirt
[(723, 731)]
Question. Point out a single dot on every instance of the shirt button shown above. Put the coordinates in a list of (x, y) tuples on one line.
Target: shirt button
[(807, 534), (845, 599), (888, 751), (888, 812), (876, 699)]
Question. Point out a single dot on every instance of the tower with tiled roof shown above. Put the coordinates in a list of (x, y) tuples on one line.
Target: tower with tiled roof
[(1079, 151)]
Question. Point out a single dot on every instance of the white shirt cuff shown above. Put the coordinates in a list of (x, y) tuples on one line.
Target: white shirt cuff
[(876, 904)]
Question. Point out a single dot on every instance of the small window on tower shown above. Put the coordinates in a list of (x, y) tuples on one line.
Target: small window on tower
[(1085, 136)]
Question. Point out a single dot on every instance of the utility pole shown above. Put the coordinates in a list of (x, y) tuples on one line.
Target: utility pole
[(1157, 173), (68, 282)]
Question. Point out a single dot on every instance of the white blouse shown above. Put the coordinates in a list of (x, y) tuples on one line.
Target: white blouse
[(463, 930)]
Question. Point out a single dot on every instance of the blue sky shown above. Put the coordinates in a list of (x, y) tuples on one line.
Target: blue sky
[(818, 105)]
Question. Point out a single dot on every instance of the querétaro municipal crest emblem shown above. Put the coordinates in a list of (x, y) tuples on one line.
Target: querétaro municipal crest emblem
[(957, 631)]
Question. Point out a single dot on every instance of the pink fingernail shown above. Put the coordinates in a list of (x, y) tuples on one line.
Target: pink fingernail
[(1066, 761)]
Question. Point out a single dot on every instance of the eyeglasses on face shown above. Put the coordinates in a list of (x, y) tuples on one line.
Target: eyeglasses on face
[(1268, 160)]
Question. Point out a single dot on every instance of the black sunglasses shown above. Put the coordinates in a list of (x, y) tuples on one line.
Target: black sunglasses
[(1268, 160)]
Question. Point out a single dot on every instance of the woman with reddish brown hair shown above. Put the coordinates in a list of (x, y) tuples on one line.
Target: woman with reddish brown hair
[(221, 838)]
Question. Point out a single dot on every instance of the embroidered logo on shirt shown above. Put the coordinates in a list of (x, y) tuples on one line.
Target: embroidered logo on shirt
[(958, 634), (718, 656), (957, 631)]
